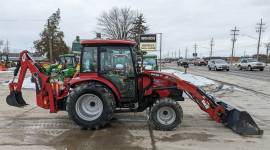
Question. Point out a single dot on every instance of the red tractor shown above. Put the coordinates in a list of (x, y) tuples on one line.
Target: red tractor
[(105, 86)]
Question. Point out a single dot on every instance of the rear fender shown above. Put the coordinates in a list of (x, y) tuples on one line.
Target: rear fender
[(110, 85)]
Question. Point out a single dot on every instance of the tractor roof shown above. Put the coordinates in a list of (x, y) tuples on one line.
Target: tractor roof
[(101, 42)]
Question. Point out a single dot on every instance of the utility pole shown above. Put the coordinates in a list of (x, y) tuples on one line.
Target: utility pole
[(6, 47), (7, 50), (259, 29), (186, 53), (267, 52), (179, 53), (211, 48), (234, 34), (50, 42), (195, 50), (160, 52)]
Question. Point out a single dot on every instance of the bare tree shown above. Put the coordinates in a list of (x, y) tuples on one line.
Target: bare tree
[(117, 23)]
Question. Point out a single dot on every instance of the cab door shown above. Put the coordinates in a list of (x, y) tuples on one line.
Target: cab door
[(116, 65)]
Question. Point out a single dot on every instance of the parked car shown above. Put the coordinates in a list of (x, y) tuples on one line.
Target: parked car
[(200, 62), (218, 64), (251, 64), (182, 62)]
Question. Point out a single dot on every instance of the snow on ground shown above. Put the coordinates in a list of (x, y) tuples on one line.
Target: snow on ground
[(196, 80), (6, 71), (27, 84)]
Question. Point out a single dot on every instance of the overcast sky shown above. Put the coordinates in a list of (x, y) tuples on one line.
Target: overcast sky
[(182, 22)]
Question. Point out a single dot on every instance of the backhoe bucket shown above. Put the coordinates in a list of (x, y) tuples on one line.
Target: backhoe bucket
[(239, 121), (15, 99)]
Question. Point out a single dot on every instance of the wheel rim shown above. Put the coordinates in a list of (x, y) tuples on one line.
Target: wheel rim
[(166, 115), (89, 107)]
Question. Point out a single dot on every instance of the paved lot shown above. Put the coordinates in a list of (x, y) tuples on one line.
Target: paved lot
[(34, 128)]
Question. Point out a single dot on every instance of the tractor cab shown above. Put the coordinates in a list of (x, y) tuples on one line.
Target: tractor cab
[(67, 60), (150, 62), (113, 61)]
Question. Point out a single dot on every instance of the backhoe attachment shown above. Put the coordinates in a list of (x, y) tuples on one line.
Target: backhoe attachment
[(49, 90)]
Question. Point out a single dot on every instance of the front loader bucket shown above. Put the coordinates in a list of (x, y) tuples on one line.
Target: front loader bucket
[(239, 121), (15, 99)]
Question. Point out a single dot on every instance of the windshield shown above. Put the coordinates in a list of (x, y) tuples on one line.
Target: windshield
[(120, 59), (69, 60), (220, 61), (252, 60), (149, 61)]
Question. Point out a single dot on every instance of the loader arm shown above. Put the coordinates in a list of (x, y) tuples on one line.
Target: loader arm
[(220, 111), (46, 93)]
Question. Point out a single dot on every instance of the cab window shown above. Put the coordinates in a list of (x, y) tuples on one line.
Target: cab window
[(89, 59)]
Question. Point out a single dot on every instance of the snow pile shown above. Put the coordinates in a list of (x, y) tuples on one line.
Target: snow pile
[(196, 80)]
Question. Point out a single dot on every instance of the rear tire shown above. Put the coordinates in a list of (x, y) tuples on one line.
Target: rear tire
[(261, 69), (166, 115), (90, 105)]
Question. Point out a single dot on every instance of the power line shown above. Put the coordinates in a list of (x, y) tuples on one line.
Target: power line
[(259, 29), (234, 34)]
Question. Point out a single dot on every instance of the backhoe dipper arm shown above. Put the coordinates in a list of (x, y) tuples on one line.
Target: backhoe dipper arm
[(45, 95)]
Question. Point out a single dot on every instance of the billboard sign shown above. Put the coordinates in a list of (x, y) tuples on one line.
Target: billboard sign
[(148, 42)]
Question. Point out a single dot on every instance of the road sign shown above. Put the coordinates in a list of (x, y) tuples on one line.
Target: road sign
[(148, 42), (195, 54)]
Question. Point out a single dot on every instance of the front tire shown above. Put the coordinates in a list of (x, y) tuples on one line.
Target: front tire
[(90, 105), (166, 115)]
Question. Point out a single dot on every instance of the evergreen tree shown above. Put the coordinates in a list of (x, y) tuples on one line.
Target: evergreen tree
[(139, 28), (51, 32)]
